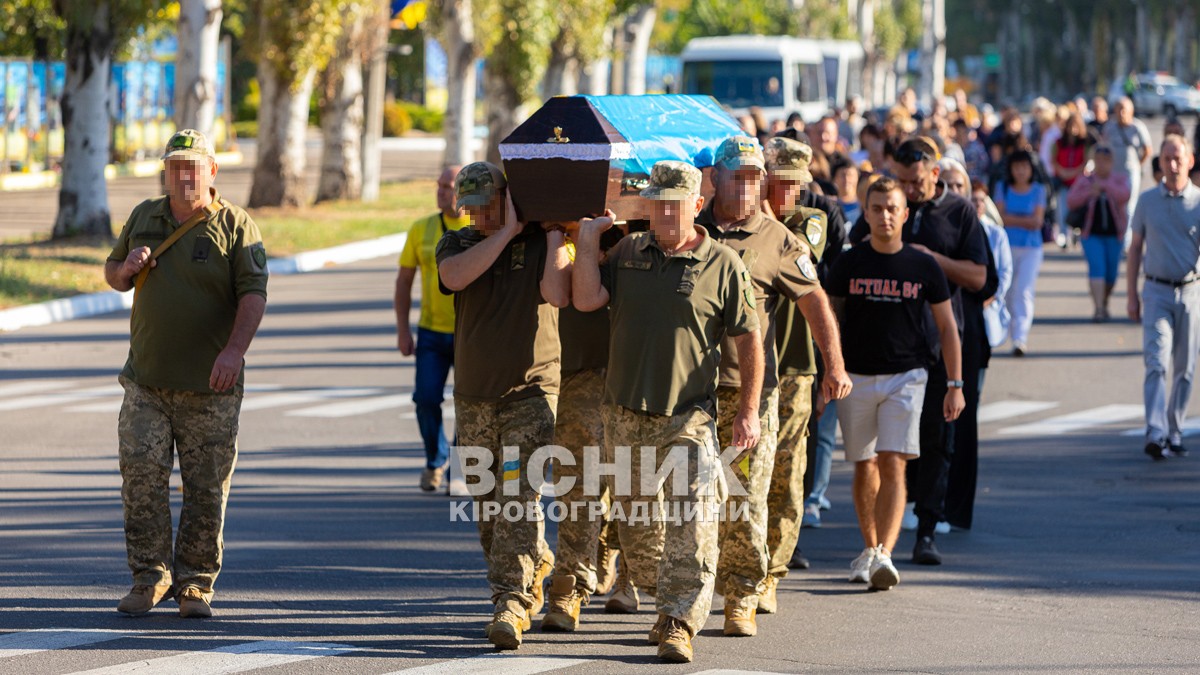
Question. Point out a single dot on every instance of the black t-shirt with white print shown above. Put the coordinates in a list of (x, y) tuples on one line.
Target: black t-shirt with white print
[(886, 295)]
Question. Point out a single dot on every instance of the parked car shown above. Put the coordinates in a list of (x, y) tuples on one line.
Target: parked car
[(1159, 94)]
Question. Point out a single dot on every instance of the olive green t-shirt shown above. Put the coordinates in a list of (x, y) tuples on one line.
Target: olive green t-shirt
[(184, 313), (505, 335), (793, 336), (779, 266), (669, 314), (584, 338)]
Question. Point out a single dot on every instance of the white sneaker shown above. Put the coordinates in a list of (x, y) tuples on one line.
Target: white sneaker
[(942, 528), (883, 572), (860, 569), (909, 522), (811, 517)]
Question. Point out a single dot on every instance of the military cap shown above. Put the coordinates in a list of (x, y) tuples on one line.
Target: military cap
[(477, 183), (188, 143), (788, 159), (673, 180), (739, 151)]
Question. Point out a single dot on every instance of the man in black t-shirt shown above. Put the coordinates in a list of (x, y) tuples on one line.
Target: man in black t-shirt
[(945, 226), (880, 290)]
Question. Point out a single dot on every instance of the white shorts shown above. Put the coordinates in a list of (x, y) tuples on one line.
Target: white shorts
[(883, 412)]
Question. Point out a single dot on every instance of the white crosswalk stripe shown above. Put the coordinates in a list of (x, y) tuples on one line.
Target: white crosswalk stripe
[(304, 396), (237, 658), (1002, 410), (32, 386), (34, 641), (60, 398), (1076, 421), (500, 664), (356, 407)]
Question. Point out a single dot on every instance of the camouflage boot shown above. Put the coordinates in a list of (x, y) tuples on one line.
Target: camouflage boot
[(676, 644), (606, 567), (625, 598), (767, 601), (507, 627), (739, 617), (538, 591)]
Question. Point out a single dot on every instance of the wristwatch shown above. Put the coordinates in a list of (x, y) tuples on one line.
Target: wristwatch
[(954, 384)]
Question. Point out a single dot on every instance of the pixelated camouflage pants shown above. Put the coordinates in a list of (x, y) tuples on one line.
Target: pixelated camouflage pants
[(579, 425), (155, 423), (785, 500), (743, 539), (678, 563), (512, 547)]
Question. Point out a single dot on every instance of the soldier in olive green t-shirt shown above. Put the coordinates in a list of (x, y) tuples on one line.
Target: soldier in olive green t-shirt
[(197, 307), (673, 295), (508, 280)]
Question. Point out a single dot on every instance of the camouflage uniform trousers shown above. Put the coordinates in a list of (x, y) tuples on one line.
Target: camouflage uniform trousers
[(155, 423), (512, 548), (743, 565), (677, 564), (578, 426), (785, 500)]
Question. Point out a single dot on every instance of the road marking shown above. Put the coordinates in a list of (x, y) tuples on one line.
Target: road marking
[(61, 398), (230, 659), (1063, 424), (501, 664), (357, 407), (32, 386), (1002, 410), (1190, 428), (735, 672), (42, 640), (303, 396)]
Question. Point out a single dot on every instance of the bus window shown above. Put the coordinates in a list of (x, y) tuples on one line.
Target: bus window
[(808, 83), (737, 84), (831, 75)]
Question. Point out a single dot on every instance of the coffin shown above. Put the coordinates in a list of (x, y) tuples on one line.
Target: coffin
[(579, 155)]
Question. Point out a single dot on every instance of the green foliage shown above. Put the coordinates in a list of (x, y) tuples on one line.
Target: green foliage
[(22, 22), (889, 33), (396, 120), (911, 20), (581, 27), (515, 38), (703, 18), (425, 119), (295, 36)]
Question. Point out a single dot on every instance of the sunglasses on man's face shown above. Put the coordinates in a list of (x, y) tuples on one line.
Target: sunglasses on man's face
[(912, 156)]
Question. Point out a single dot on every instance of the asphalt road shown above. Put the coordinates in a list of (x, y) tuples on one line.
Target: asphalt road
[(1082, 558)]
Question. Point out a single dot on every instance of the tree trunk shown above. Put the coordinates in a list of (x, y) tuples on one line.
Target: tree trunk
[(933, 52), (83, 196), (503, 101), (638, 27), (593, 77), (342, 118), (1185, 32), (461, 81), (378, 28), (196, 64), (562, 71), (865, 22), (282, 125), (616, 64)]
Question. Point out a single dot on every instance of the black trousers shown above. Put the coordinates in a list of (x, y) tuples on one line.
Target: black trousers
[(964, 466), (928, 475)]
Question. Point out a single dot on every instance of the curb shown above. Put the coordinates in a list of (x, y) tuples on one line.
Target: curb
[(104, 302), (44, 180)]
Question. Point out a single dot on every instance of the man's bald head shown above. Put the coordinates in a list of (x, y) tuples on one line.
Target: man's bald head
[(445, 191)]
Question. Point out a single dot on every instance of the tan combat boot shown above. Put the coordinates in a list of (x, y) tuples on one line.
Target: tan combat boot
[(625, 598), (767, 602), (566, 599), (544, 567), (193, 604), (656, 633), (676, 644), (739, 617), (506, 628), (606, 567), (431, 479), (142, 598)]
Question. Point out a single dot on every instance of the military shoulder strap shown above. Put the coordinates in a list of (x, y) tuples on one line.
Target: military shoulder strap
[(200, 216)]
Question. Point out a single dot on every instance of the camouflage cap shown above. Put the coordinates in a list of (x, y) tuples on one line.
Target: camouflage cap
[(788, 159), (477, 183), (188, 143), (739, 151), (673, 180)]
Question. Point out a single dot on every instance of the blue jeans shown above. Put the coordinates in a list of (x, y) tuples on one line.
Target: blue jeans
[(1103, 254), (823, 458), (435, 357)]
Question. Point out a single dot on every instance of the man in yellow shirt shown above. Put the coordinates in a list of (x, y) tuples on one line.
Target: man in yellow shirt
[(434, 345)]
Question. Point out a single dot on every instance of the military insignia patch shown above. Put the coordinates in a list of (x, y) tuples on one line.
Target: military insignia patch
[(748, 291), (259, 255), (813, 230), (806, 268)]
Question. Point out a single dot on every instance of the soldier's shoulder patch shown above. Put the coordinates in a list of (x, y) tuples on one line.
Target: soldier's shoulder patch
[(258, 253), (814, 229), (748, 289), (806, 267)]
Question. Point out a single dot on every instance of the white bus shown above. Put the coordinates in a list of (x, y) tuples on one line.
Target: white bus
[(844, 61), (780, 75)]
